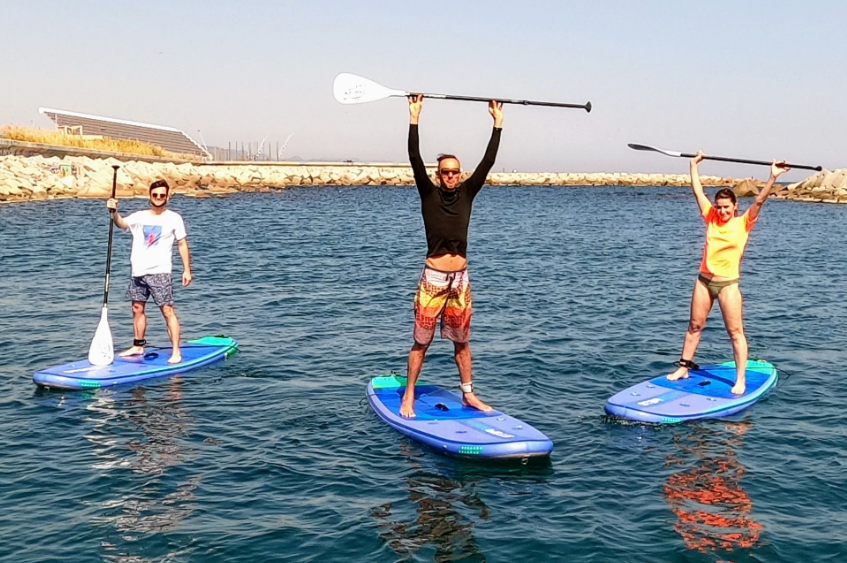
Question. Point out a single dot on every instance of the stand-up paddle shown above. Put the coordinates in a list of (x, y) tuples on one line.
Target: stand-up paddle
[(102, 350), (351, 89), (721, 158)]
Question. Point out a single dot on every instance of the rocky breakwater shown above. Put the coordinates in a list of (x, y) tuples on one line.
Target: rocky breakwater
[(827, 186), (600, 179), (39, 178)]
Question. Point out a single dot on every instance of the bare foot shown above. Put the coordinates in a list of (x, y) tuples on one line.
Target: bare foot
[(134, 351), (407, 406), (680, 373), (471, 400), (739, 388), (175, 358)]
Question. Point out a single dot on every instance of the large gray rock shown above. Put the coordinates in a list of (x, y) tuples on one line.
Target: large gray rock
[(838, 180), (748, 187)]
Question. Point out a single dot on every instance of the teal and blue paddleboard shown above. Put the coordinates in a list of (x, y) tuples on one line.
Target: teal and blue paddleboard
[(704, 394), (444, 424), (154, 363)]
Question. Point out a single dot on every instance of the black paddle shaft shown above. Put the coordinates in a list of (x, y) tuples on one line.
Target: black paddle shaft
[(745, 161), (111, 229), (721, 158), (586, 106)]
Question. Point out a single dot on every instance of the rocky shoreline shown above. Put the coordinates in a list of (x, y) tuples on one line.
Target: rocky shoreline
[(25, 178)]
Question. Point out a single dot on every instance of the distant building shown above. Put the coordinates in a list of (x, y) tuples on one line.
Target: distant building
[(170, 139)]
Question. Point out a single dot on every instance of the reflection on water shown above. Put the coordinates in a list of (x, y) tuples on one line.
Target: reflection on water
[(437, 519), (706, 494), (162, 424), (152, 429)]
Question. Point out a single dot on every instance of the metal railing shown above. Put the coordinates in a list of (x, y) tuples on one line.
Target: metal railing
[(249, 151)]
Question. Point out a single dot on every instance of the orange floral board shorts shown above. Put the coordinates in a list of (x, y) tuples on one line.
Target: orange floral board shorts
[(446, 295)]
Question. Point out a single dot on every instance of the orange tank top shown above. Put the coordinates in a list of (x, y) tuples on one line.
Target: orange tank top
[(725, 244)]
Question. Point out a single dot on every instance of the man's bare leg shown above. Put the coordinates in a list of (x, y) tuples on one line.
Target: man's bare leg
[(173, 331), (139, 328), (413, 370), (465, 364)]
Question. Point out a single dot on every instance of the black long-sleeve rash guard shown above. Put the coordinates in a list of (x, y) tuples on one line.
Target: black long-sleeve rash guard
[(447, 214)]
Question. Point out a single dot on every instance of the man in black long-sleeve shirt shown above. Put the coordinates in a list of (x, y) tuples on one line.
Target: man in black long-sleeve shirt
[(444, 289)]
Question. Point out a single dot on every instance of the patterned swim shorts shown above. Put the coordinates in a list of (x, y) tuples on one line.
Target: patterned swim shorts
[(446, 295), (161, 286)]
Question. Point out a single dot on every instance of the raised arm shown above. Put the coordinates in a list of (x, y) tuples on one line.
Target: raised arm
[(422, 181), (112, 205), (777, 169), (696, 186), (477, 179)]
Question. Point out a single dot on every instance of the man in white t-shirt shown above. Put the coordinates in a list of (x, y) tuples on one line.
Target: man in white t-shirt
[(154, 231)]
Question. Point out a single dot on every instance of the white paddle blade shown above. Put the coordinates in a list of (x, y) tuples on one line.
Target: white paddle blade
[(351, 89), (646, 148), (102, 351)]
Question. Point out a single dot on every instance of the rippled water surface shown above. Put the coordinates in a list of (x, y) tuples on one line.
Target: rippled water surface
[(275, 455)]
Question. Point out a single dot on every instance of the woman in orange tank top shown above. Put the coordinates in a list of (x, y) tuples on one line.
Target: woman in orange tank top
[(720, 270)]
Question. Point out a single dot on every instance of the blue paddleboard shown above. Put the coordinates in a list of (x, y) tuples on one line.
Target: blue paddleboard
[(82, 375), (705, 394), (449, 427)]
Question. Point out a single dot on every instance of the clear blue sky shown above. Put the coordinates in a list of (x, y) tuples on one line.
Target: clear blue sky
[(752, 79)]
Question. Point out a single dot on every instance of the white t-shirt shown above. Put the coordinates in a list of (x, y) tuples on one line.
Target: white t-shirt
[(153, 239)]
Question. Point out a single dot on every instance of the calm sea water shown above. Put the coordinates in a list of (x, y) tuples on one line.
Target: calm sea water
[(275, 455)]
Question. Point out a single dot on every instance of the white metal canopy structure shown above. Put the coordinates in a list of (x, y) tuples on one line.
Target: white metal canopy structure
[(170, 139)]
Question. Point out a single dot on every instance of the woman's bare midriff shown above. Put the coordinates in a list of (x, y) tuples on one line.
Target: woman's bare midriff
[(447, 262)]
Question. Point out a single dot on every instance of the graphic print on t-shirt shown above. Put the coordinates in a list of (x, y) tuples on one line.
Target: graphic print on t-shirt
[(152, 234)]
